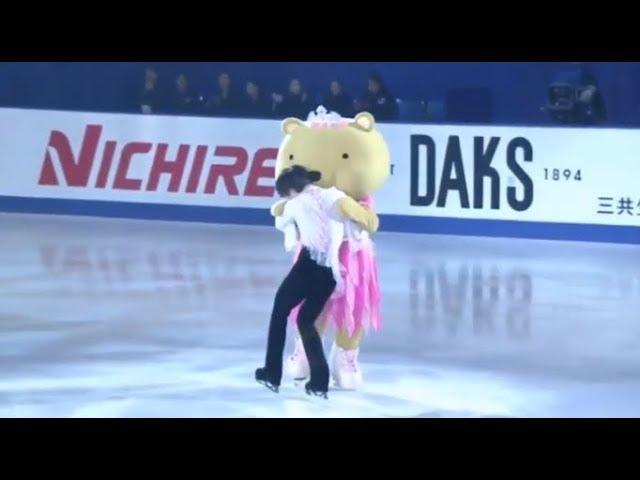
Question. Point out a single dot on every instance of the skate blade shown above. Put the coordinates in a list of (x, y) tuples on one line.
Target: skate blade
[(273, 388), (318, 394)]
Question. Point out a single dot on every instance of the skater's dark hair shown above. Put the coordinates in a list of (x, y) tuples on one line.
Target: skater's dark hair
[(295, 178)]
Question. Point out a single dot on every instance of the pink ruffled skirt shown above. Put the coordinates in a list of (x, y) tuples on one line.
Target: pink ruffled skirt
[(355, 305)]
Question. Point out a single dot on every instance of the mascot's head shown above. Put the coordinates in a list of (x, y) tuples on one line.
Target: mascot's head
[(349, 153)]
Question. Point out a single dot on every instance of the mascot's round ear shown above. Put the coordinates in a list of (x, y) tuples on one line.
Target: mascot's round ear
[(364, 121), (289, 125)]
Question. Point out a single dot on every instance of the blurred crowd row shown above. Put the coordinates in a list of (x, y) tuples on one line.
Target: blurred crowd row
[(176, 96), (574, 97)]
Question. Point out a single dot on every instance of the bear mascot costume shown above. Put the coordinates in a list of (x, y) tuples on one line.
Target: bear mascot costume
[(351, 155)]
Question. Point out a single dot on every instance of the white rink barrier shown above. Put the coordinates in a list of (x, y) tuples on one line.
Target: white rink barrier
[(536, 182)]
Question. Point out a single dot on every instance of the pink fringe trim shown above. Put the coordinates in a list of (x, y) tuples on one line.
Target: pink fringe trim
[(357, 305)]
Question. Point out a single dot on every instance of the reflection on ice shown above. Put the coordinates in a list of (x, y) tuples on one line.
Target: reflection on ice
[(127, 318), (485, 295)]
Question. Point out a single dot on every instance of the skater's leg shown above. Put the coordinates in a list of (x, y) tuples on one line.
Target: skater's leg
[(289, 294), (315, 300), (297, 364), (322, 323)]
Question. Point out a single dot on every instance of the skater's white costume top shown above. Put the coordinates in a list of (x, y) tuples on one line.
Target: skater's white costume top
[(311, 217)]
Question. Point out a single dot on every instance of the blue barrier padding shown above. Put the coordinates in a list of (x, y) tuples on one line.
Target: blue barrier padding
[(389, 223)]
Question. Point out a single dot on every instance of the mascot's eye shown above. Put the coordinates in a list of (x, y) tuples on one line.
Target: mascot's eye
[(345, 155), (291, 157)]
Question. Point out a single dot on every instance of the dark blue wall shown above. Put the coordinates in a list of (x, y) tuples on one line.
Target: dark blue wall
[(519, 89)]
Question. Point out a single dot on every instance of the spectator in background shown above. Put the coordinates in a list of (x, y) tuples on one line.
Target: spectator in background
[(378, 100), (224, 102), (150, 98), (338, 100), (254, 104), (183, 100), (295, 103), (590, 107), (575, 98)]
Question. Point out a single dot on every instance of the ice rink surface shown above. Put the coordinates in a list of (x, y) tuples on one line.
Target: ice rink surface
[(125, 318)]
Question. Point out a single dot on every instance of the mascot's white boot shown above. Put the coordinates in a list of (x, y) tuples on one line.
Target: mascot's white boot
[(345, 370), (297, 365)]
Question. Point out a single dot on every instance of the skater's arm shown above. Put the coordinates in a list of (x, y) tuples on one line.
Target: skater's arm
[(286, 217), (283, 221)]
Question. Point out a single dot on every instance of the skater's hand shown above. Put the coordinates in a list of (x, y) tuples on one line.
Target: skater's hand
[(278, 208)]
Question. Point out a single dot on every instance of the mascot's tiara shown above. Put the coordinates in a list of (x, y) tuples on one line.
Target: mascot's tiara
[(321, 118)]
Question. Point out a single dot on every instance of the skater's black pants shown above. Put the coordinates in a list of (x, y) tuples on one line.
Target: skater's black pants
[(314, 284)]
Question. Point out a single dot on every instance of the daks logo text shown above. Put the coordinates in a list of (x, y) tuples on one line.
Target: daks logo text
[(77, 168), (455, 179)]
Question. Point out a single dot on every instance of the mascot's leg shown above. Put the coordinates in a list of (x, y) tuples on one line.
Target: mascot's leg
[(297, 365), (356, 311), (343, 359)]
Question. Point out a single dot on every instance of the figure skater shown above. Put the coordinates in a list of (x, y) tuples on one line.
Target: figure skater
[(312, 211)]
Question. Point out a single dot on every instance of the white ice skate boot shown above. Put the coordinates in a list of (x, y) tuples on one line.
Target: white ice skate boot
[(345, 370), (297, 364)]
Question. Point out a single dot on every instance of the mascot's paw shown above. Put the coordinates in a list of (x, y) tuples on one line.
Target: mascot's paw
[(363, 216), (345, 370), (278, 208), (297, 364), (373, 222)]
